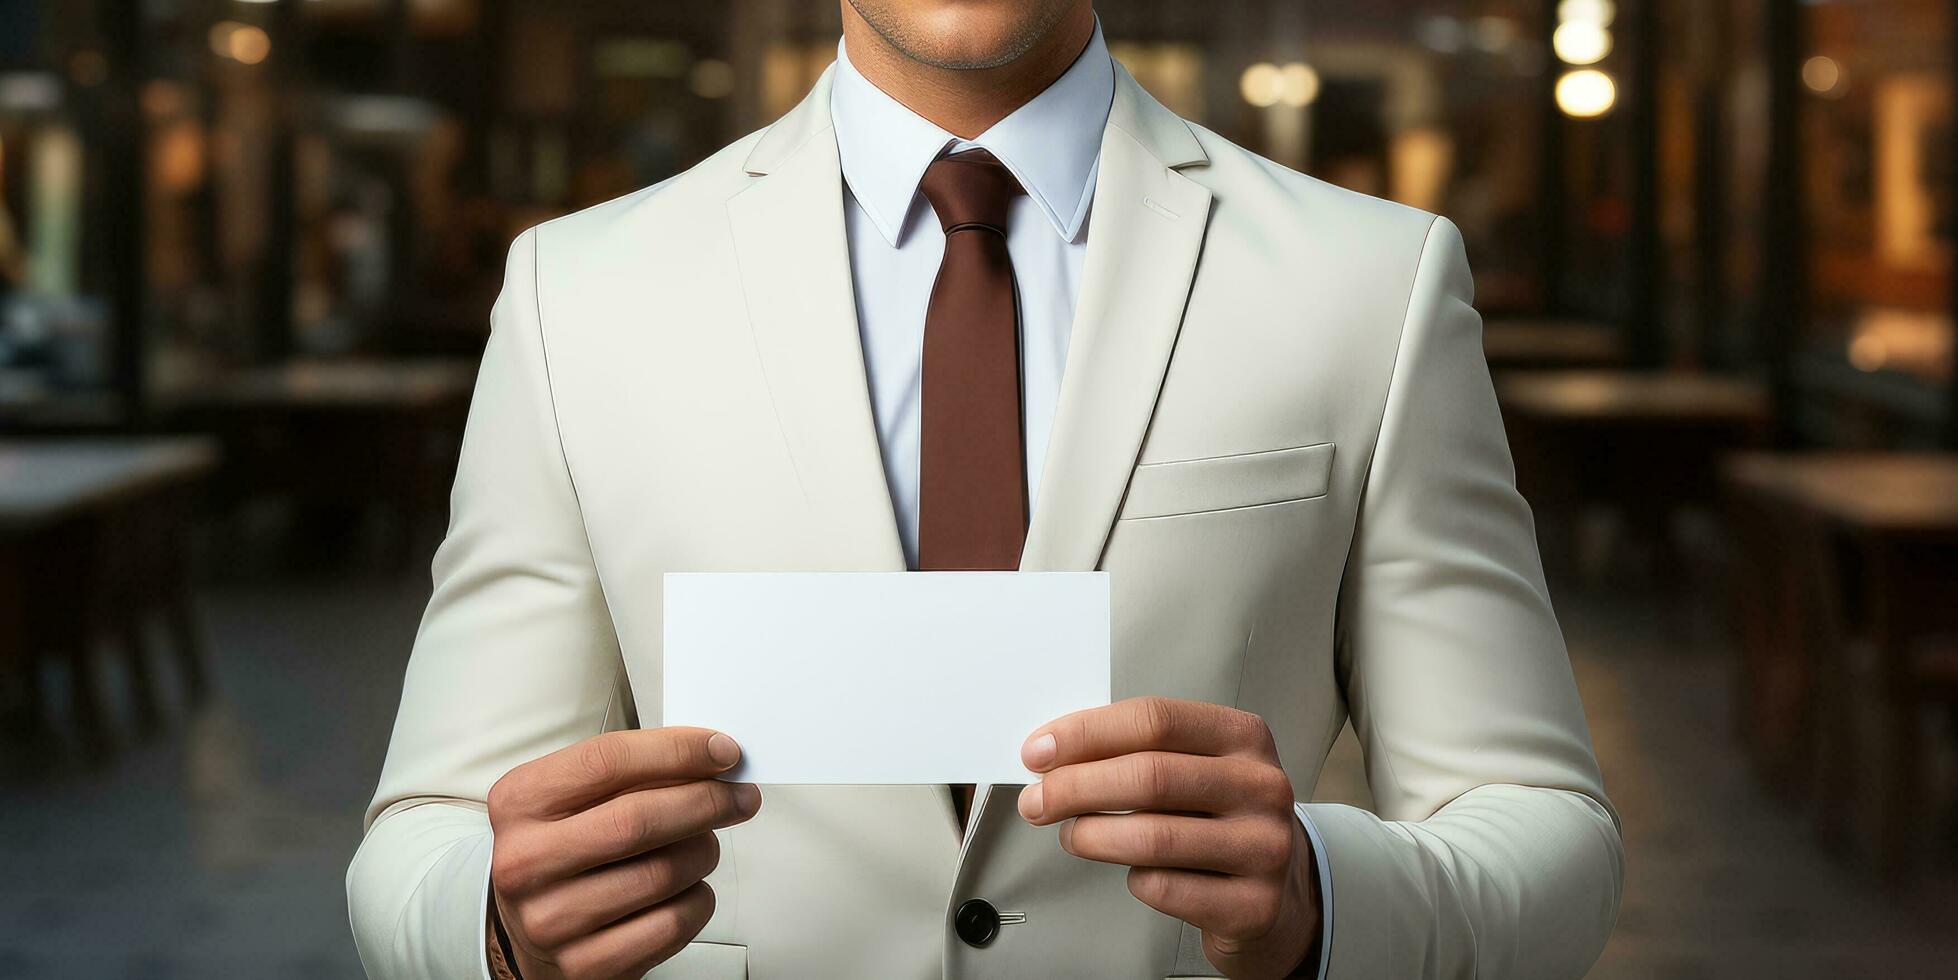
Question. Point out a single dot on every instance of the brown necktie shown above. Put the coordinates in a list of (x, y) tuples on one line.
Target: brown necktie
[(972, 487)]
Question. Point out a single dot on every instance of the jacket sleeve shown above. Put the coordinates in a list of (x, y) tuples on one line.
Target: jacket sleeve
[(1493, 852), (516, 657)]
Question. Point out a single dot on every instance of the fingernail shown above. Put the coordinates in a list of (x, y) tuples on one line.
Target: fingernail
[(1033, 801), (747, 796), (1039, 752), (723, 751)]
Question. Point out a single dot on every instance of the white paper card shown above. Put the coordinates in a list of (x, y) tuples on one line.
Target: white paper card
[(883, 678)]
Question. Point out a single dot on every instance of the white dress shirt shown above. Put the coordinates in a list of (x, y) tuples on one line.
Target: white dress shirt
[(1052, 145)]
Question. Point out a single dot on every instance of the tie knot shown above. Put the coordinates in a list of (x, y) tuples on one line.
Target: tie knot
[(970, 188)]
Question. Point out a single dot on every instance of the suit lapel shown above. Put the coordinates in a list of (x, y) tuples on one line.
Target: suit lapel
[(795, 272), (1148, 227), (1147, 232)]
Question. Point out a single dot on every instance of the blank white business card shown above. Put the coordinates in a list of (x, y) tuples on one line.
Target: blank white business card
[(883, 678)]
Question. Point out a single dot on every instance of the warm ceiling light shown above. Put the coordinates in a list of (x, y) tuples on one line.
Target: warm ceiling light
[(1821, 74), (711, 78), (1599, 12), (1300, 83), (1586, 93), (1581, 42), (88, 68), (1263, 85), (250, 45), (221, 37), (1868, 352), (1493, 35), (243, 43)]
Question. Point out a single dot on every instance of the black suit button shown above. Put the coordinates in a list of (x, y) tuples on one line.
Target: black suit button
[(976, 921)]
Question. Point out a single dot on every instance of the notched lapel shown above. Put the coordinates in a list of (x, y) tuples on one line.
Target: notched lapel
[(1149, 223), (1147, 234), (794, 261)]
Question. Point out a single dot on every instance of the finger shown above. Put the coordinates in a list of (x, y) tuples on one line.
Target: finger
[(573, 778), (1228, 907), (636, 944), (1155, 781), (1230, 845), (647, 820), (580, 906), (1147, 725)]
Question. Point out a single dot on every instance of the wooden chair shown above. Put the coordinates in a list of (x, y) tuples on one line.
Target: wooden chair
[(1770, 583), (1890, 660)]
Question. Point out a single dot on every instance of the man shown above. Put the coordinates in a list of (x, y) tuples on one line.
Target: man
[(980, 302)]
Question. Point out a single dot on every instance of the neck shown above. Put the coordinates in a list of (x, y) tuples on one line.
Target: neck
[(965, 102)]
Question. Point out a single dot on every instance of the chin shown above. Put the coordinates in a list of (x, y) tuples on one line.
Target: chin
[(972, 49), (963, 34)]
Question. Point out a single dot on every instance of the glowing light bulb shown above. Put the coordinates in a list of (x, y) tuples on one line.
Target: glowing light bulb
[(1263, 85), (1580, 42), (1586, 93), (1599, 12), (1821, 74), (1301, 84)]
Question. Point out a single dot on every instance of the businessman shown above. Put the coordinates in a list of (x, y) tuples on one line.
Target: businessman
[(980, 302)]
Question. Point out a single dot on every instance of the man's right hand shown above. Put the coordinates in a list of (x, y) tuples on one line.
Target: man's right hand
[(600, 849)]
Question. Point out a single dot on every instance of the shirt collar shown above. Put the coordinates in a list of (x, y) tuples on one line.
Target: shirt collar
[(1052, 144)]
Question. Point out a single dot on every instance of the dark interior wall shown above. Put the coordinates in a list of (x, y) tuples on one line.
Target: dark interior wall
[(19, 26)]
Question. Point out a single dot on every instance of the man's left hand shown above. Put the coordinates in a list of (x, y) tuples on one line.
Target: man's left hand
[(1191, 798)]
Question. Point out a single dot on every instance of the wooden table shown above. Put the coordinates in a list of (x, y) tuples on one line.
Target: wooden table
[(1647, 443), (1636, 399), (337, 386), (1867, 551), (94, 540), (1550, 344), (61, 414), (1909, 495), (339, 436)]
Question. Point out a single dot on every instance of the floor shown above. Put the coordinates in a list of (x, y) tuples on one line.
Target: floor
[(217, 849)]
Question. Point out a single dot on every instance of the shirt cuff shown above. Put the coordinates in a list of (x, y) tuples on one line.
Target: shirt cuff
[(1322, 861), (493, 967)]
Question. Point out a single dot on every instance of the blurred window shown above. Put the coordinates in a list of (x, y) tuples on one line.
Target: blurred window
[(1432, 103), (423, 16), (54, 337), (1476, 157), (1600, 150), (1877, 136), (1712, 118), (1741, 79)]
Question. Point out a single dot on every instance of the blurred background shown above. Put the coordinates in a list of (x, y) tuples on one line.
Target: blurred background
[(247, 251)]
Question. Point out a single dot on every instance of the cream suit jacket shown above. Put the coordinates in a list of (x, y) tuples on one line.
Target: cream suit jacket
[(1276, 432)]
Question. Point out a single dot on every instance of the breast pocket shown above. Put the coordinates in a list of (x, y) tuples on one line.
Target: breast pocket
[(1176, 488)]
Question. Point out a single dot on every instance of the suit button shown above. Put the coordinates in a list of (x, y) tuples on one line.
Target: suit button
[(976, 921)]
